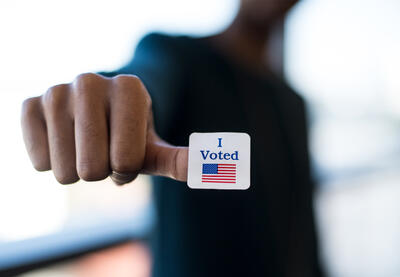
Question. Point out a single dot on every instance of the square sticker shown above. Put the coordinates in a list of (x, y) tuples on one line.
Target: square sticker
[(219, 161)]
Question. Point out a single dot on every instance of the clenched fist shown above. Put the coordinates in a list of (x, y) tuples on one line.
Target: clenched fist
[(95, 127)]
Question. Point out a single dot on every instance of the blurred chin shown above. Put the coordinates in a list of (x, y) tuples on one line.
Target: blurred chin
[(266, 11)]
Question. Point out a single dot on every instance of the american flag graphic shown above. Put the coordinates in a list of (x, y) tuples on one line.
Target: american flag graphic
[(219, 173)]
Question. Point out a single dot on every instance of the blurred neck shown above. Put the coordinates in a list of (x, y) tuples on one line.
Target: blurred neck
[(258, 47)]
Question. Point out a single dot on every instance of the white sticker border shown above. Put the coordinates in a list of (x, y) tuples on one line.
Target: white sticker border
[(221, 186)]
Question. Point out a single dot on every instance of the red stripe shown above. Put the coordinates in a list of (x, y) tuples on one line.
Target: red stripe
[(220, 175), (226, 173), (218, 179), (218, 182), (228, 164), (231, 176)]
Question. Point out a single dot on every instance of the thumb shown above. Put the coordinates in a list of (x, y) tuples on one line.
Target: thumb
[(166, 160)]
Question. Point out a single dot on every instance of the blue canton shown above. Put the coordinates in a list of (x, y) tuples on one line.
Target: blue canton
[(210, 168)]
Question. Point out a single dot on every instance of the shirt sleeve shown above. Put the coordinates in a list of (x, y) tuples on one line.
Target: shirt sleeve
[(159, 63)]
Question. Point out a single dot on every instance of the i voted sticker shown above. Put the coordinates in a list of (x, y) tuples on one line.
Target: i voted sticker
[(219, 161)]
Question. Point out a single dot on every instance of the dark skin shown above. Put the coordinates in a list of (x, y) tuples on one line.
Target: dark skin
[(246, 39), (97, 127)]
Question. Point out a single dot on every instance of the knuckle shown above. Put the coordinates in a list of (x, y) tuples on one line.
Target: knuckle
[(87, 78), (127, 80), (132, 89), (88, 84), (127, 83), (29, 106), (90, 171), (56, 98)]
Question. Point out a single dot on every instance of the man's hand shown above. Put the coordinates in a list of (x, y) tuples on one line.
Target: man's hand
[(96, 127)]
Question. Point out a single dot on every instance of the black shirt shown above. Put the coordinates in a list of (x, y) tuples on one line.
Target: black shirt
[(267, 230)]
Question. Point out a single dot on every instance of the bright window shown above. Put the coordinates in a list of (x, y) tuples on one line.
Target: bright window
[(44, 43)]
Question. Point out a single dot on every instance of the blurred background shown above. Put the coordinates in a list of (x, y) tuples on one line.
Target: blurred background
[(342, 56)]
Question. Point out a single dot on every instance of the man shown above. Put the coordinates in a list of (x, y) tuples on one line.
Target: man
[(99, 126)]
